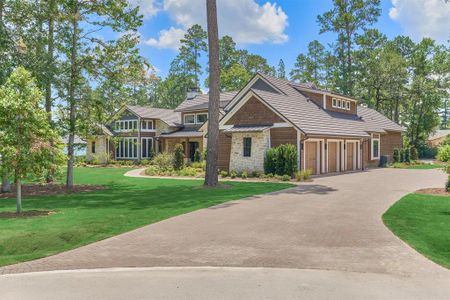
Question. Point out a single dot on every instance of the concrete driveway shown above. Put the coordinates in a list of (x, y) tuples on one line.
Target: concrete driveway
[(333, 223)]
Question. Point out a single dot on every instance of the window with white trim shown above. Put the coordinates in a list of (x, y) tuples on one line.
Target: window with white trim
[(126, 125), (146, 147), (127, 148), (189, 119), (375, 146), (201, 118), (340, 103), (147, 125)]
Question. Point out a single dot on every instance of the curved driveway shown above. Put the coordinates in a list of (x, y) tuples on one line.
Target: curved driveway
[(333, 223)]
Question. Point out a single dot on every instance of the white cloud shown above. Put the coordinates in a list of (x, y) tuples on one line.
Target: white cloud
[(245, 20), (148, 8), (169, 38), (422, 18)]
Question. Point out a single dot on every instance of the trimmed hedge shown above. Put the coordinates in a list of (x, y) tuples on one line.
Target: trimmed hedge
[(281, 160)]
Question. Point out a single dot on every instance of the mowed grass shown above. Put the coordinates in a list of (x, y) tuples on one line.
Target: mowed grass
[(426, 166), (423, 221), (128, 203)]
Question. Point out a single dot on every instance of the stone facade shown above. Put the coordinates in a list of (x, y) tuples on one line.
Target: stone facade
[(260, 143), (101, 149)]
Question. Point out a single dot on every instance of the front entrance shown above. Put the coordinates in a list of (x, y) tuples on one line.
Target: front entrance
[(311, 158), (333, 157), (193, 146)]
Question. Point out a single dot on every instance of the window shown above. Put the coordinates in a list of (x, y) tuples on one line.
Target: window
[(247, 147), (334, 102), (202, 118), (189, 119), (126, 125), (146, 147), (375, 146), (127, 148), (342, 104), (348, 105), (147, 125), (93, 147)]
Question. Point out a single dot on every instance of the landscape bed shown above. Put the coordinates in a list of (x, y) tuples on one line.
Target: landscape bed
[(126, 203), (423, 221)]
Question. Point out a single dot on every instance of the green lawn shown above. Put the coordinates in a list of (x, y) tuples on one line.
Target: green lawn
[(128, 203), (426, 166), (423, 221)]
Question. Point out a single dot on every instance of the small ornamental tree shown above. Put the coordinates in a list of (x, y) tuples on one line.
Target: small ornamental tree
[(178, 160), (197, 155), (396, 155), (25, 131)]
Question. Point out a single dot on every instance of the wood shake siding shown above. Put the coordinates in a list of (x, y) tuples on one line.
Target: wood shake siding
[(279, 136), (331, 108), (389, 142), (223, 161), (254, 112), (315, 97)]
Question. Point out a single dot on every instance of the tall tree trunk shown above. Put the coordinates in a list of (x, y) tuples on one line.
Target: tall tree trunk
[(211, 177), (18, 196), (48, 84), (72, 102)]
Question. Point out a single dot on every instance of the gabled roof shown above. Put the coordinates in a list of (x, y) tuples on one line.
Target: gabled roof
[(312, 119), (439, 134), (200, 102), (168, 116)]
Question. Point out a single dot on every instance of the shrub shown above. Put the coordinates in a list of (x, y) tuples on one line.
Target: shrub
[(269, 175), (244, 175), (396, 155), (163, 160), (303, 175), (197, 165), (444, 153), (144, 162), (402, 155), (407, 156), (281, 160), (152, 171), (233, 174), (223, 174), (278, 177), (447, 185), (413, 153), (188, 171), (426, 151), (197, 155), (286, 178), (178, 157), (256, 174)]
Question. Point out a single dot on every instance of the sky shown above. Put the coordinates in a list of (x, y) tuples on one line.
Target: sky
[(275, 29)]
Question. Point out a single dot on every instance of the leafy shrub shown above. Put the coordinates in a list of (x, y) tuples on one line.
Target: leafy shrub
[(79, 159), (444, 153), (413, 153), (144, 162), (407, 155), (223, 173), (303, 175), (269, 175), (281, 160), (233, 174), (178, 159), (188, 171), (256, 174), (197, 165), (397, 165), (426, 151), (152, 171), (197, 155), (278, 177), (286, 178), (244, 175), (396, 155), (402, 155), (447, 185), (163, 160)]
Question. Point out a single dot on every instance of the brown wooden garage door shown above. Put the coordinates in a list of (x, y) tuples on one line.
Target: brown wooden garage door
[(350, 155), (311, 156), (332, 156)]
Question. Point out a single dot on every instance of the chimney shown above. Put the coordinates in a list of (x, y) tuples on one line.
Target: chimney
[(192, 92)]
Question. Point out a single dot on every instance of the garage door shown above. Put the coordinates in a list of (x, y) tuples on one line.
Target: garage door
[(332, 157), (311, 156), (350, 155)]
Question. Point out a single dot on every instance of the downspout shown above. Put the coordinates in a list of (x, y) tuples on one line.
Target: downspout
[(139, 146)]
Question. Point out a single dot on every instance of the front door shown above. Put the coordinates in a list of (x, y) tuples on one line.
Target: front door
[(311, 156), (193, 146), (332, 156), (350, 156)]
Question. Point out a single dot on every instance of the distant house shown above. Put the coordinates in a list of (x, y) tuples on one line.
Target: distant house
[(437, 137), (330, 131), (79, 145)]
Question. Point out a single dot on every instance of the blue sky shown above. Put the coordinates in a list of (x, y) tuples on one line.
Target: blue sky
[(276, 29)]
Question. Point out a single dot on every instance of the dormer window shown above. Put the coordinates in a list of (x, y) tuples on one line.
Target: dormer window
[(341, 103), (189, 119), (202, 118), (198, 118)]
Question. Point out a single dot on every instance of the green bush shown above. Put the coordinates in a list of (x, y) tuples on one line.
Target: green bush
[(286, 178), (244, 175), (396, 155), (407, 156), (178, 157), (303, 175), (188, 171), (163, 160), (413, 153), (281, 160), (444, 153), (447, 185), (197, 165), (144, 162), (152, 171), (197, 155), (233, 174), (223, 173), (255, 174), (402, 155), (426, 151)]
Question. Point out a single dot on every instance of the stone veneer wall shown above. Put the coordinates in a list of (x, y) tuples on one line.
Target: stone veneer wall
[(260, 143), (100, 149)]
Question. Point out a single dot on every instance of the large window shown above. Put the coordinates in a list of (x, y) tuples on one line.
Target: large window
[(375, 146), (126, 125), (127, 148), (146, 147), (189, 119), (147, 125), (247, 147)]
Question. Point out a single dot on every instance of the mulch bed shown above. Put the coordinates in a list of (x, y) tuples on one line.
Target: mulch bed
[(50, 189), (433, 191), (26, 214)]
